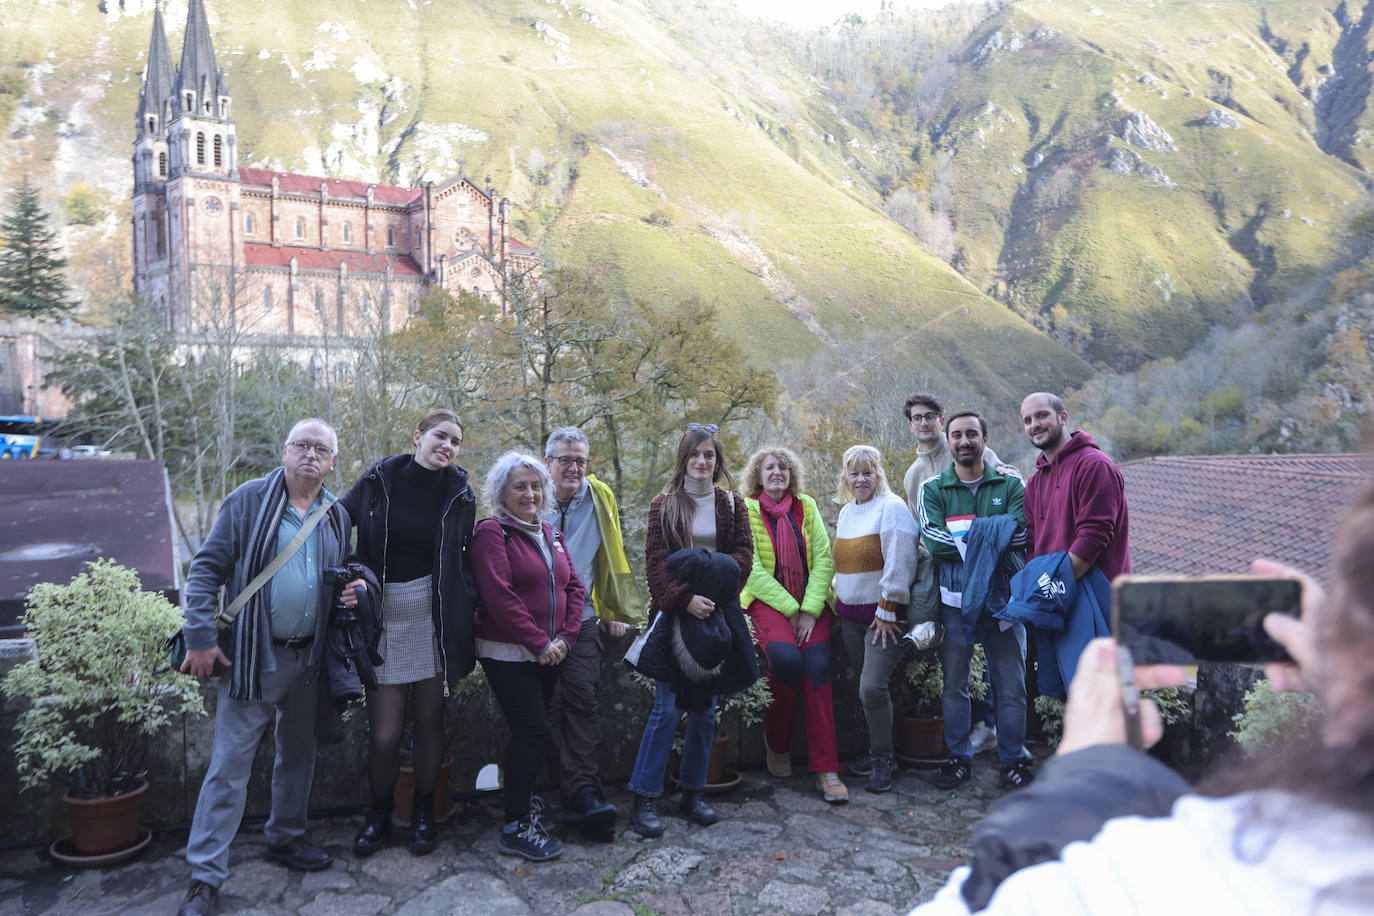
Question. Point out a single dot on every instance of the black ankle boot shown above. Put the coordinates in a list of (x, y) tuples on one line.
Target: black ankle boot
[(424, 838), (644, 817), (695, 806), (376, 828)]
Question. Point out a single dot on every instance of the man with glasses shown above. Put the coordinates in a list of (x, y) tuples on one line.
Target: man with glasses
[(275, 646), (584, 509), (926, 420)]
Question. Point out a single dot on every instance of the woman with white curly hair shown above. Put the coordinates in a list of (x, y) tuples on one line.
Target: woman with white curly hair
[(528, 619)]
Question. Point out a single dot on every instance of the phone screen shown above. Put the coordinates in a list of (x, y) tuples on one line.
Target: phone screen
[(1216, 619)]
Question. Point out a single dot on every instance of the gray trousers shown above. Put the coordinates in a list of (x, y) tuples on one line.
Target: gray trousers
[(288, 697), (575, 714), (875, 664)]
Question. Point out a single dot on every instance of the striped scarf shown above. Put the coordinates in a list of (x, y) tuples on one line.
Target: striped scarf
[(252, 628)]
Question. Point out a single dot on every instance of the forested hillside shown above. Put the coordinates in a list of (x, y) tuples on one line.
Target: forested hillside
[(981, 199)]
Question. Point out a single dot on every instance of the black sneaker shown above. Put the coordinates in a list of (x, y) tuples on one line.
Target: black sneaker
[(527, 837), (1017, 775), (861, 767), (590, 813), (954, 773), (880, 777)]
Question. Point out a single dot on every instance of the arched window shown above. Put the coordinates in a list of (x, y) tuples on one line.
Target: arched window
[(248, 226), (152, 125), (347, 233), (162, 165), (411, 305), (300, 227), (319, 301), (190, 101), (267, 299), (390, 237), (219, 151), (200, 149)]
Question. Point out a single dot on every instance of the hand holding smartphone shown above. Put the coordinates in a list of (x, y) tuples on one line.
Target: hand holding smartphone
[(1196, 621)]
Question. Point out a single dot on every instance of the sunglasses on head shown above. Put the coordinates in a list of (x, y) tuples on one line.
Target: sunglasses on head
[(703, 427)]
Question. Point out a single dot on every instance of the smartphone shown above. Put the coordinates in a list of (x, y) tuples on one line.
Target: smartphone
[(1178, 620)]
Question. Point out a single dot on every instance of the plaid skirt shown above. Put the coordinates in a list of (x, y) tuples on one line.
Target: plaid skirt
[(409, 648)]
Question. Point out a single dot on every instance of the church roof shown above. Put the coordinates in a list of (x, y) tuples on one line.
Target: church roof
[(198, 70), (338, 187), (1202, 515), (157, 81), (258, 254)]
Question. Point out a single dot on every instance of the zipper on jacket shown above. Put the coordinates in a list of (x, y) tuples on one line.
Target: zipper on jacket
[(437, 585), (553, 605)]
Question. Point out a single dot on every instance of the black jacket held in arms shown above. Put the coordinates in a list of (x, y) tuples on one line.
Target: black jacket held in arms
[(454, 588)]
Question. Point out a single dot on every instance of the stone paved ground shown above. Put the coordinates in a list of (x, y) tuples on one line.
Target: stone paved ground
[(777, 849)]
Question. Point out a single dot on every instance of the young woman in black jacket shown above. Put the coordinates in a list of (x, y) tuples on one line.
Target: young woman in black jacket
[(414, 515)]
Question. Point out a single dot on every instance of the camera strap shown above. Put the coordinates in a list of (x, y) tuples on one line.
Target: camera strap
[(225, 618)]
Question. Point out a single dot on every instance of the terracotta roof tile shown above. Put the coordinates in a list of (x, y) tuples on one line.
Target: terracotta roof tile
[(260, 255), (338, 187), (1208, 514)]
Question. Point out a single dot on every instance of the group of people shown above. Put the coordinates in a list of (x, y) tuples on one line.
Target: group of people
[(532, 591)]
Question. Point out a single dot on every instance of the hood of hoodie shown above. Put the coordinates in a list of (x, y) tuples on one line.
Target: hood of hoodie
[(1079, 439)]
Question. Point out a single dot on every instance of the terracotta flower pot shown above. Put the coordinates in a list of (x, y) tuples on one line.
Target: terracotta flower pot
[(104, 825), (919, 739), (402, 802), (715, 767)]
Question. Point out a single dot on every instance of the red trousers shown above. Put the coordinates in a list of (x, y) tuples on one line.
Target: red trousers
[(798, 672)]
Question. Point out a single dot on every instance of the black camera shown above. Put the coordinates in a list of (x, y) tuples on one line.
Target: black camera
[(336, 577)]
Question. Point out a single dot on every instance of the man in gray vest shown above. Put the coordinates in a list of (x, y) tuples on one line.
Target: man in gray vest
[(275, 646), (584, 509)]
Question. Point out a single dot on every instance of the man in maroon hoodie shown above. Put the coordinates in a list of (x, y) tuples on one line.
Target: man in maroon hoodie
[(1076, 500)]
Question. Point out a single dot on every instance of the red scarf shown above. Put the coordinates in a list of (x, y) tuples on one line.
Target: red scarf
[(786, 548)]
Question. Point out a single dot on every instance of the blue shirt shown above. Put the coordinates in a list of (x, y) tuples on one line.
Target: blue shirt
[(297, 586)]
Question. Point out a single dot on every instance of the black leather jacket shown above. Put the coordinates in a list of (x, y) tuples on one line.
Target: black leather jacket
[(454, 588)]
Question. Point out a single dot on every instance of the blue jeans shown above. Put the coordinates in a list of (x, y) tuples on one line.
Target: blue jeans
[(1006, 656), (657, 743)]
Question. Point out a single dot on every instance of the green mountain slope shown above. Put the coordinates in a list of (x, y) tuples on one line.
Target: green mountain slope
[(623, 147), (1128, 175)]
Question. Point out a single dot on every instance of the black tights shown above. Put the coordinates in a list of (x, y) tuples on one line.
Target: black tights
[(386, 715)]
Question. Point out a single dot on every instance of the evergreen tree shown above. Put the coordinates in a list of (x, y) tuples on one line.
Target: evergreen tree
[(31, 282)]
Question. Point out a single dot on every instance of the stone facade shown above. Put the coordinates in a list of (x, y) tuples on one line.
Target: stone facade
[(222, 248)]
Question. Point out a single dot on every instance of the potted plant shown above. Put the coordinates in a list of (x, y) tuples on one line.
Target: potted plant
[(98, 690), (748, 706), (918, 728)]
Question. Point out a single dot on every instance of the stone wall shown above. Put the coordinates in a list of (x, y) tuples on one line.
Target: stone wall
[(475, 730)]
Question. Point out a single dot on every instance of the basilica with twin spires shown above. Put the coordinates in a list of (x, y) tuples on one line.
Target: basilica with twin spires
[(223, 247)]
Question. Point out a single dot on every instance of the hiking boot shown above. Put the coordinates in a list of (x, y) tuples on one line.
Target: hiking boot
[(590, 813), (780, 765), (861, 767), (880, 777), (831, 788), (953, 774), (527, 837), (644, 817), (201, 900), (376, 828), (1017, 775), (695, 806)]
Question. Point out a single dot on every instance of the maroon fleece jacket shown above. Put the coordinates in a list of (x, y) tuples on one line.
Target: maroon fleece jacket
[(514, 583), (1078, 503)]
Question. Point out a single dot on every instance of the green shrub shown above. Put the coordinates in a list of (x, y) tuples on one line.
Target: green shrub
[(99, 687), (1270, 721)]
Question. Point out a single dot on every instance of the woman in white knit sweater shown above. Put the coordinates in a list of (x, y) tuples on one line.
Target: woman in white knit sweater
[(875, 564)]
